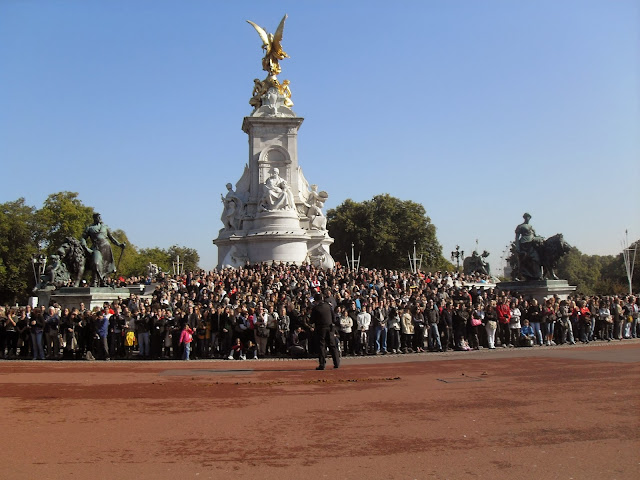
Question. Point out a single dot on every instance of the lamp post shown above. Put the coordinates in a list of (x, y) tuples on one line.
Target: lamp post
[(355, 264), (40, 260), (178, 266), (456, 255), (629, 255), (413, 262)]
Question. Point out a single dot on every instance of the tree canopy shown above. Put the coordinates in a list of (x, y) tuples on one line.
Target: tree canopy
[(18, 244), (383, 230)]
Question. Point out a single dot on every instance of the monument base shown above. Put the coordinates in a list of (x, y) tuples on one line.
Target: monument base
[(71, 297), (540, 290)]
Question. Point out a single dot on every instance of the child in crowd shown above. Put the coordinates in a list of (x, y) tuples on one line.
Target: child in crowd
[(186, 337), (527, 335), (237, 351)]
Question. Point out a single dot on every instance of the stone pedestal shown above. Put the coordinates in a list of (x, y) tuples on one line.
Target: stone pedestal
[(71, 297), (540, 290)]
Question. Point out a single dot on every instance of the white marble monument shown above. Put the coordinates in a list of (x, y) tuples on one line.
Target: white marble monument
[(273, 214)]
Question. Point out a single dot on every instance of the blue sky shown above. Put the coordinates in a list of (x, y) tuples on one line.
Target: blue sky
[(479, 110)]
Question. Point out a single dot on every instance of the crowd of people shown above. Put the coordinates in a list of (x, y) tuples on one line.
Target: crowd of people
[(264, 310)]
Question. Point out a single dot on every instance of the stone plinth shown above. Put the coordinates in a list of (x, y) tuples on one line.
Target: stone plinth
[(540, 290), (71, 297)]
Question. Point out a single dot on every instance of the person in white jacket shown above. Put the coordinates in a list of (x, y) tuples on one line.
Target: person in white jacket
[(364, 322)]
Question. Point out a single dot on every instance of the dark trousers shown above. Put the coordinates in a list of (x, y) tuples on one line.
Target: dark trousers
[(393, 340), (504, 333), (326, 337), (347, 342), (418, 338), (446, 337)]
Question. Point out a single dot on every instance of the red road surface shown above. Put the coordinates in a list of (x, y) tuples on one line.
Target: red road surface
[(540, 413)]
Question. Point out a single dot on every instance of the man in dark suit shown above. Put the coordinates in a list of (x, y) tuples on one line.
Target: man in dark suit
[(322, 320)]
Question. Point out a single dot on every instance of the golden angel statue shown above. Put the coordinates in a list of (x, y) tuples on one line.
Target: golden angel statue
[(271, 44)]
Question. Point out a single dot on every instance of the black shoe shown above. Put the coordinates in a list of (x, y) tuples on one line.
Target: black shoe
[(336, 366), (320, 367)]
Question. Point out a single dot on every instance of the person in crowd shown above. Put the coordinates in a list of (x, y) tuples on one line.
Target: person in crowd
[(322, 319), (491, 324), (22, 327), (476, 319), (186, 338), (514, 324), (617, 316), (504, 318), (237, 351), (605, 321), (142, 322), (564, 323), (345, 325), (460, 319), (37, 331), (102, 330), (432, 316), (10, 333), (283, 332), (583, 312), (116, 330), (364, 323), (272, 329), (67, 329), (534, 314), (418, 328), (379, 316), (407, 329), (548, 321), (446, 325), (527, 335), (52, 331), (393, 329), (259, 320)]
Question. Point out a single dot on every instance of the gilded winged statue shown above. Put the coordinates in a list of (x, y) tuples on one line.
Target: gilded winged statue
[(271, 44)]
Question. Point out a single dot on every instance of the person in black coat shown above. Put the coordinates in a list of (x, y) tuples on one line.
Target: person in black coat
[(322, 319)]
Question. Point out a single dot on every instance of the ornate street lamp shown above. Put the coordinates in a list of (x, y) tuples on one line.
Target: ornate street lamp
[(456, 255), (38, 263)]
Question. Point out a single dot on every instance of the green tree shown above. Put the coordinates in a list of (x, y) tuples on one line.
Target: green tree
[(127, 264), (188, 257), (580, 270), (18, 245), (62, 215), (383, 230), (155, 255)]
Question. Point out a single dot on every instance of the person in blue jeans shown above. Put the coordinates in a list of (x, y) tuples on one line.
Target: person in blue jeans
[(432, 316), (186, 337)]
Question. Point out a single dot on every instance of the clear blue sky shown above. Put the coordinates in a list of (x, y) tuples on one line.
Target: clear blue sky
[(479, 110)]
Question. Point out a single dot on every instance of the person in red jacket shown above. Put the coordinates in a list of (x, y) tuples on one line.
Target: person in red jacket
[(504, 317)]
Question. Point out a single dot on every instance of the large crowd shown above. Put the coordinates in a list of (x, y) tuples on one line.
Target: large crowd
[(263, 311)]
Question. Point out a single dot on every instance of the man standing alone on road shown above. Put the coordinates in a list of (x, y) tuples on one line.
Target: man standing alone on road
[(322, 320)]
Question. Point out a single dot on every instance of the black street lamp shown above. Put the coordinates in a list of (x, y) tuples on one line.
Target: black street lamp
[(456, 255), (39, 263)]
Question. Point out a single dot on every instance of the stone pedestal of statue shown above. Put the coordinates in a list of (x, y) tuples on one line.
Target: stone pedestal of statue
[(540, 290), (71, 297)]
